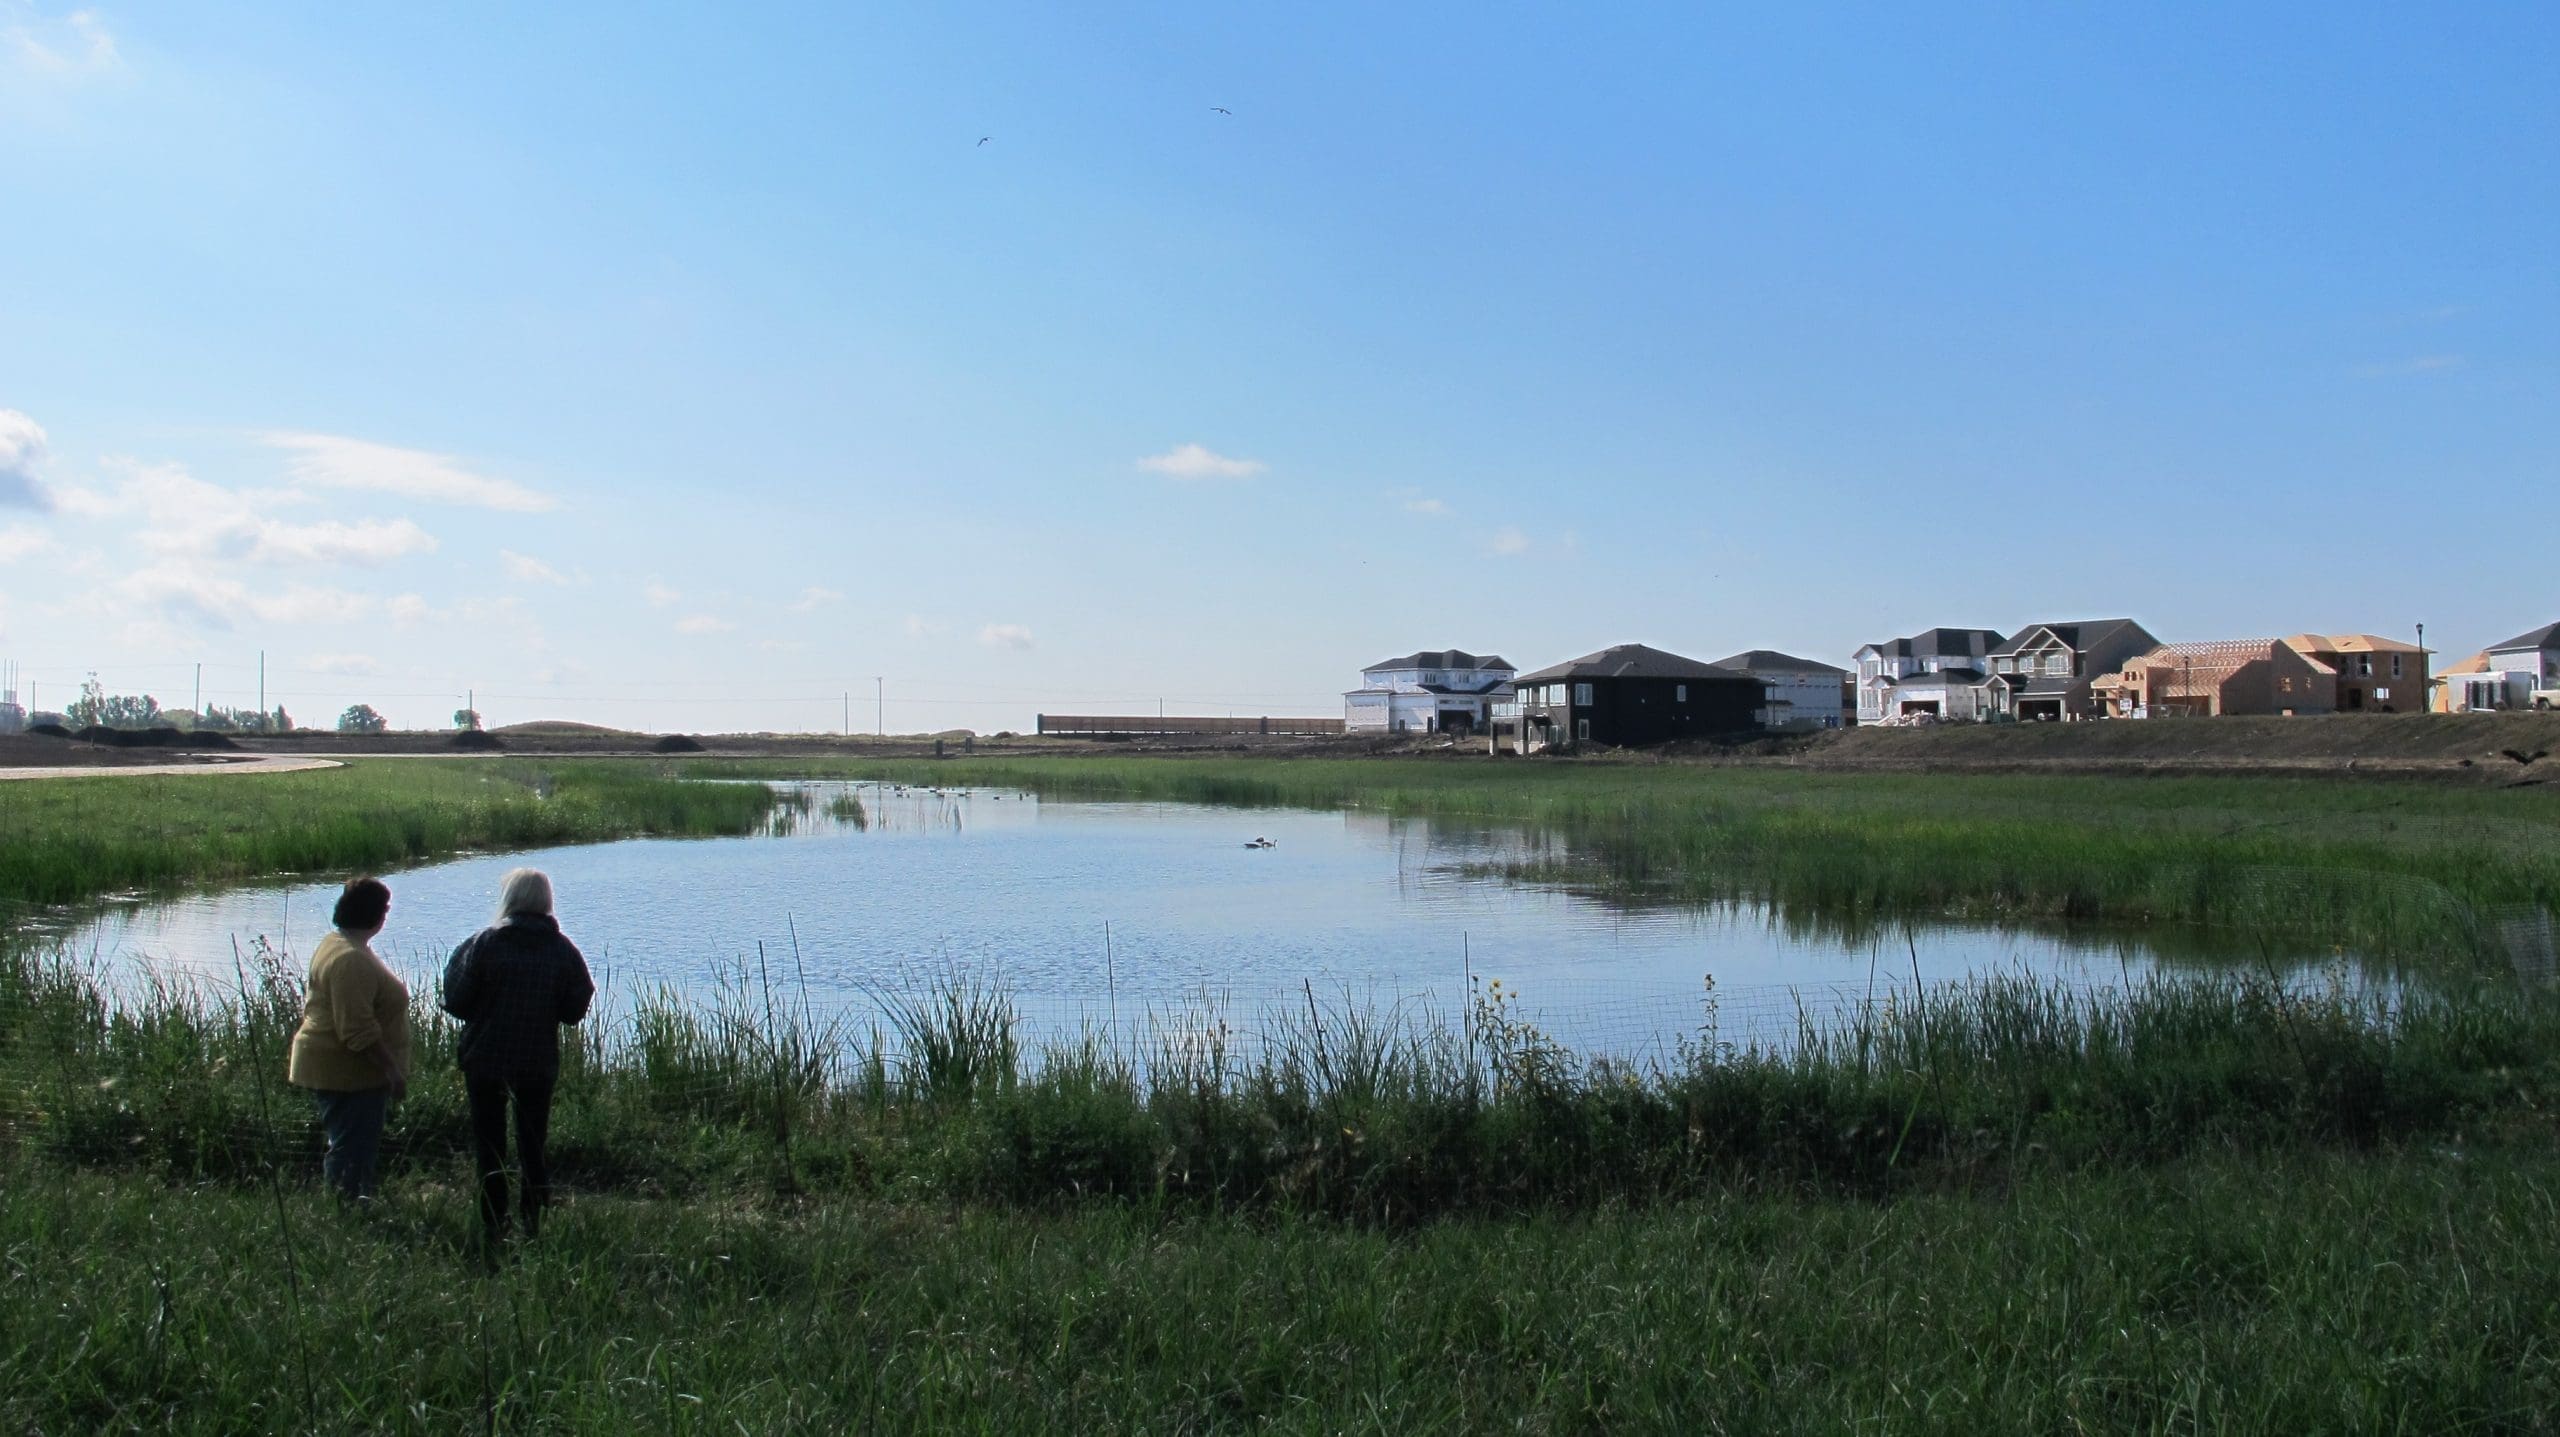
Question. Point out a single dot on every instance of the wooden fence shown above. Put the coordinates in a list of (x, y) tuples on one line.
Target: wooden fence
[(1153, 724)]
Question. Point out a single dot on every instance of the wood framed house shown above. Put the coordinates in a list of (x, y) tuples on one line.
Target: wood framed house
[(1932, 674), (1430, 691), (2208, 680), (2044, 674), (1803, 693), (1631, 695), (2375, 674)]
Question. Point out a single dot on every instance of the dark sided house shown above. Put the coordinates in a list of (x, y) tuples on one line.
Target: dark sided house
[(1631, 695)]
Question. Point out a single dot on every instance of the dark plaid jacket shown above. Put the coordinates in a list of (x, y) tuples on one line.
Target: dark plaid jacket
[(513, 986)]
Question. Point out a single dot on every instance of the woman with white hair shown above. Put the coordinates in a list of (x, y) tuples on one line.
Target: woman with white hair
[(514, 985)]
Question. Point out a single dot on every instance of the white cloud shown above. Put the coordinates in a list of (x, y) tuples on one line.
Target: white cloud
[(1193, 461), (781, 646), (22, 446), (2420, 364), (20, 541), (411, 609), (353, 665), (1507, 541), (185, 516), (703, 624), (333, 461), (73, 47), (528, 569), (184, 592), (814, 596), (1005, 636), (1432, 507), (920, 627), (408, 609), (660, 596)]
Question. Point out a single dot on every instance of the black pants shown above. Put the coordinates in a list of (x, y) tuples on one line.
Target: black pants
[(489, 1140)]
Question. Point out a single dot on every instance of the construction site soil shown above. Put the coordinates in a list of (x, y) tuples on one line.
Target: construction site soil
[(2504, 748)]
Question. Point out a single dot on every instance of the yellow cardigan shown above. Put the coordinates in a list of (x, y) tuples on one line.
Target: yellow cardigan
[(353, 1003)]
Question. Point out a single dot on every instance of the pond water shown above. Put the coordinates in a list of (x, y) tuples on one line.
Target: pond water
[(1109, 912)]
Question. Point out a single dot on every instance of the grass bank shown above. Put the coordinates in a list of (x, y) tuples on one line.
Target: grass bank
[(64, 840), (2397, 869), (1340, 1110), (2405, 1291)]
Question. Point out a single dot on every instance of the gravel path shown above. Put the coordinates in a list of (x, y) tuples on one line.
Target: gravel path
[(246, 763)]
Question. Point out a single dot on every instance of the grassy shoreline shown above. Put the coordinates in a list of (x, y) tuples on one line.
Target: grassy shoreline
[(2402, 871), (82, 838)]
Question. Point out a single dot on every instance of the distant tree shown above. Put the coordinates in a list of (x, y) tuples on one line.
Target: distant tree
[(467, 719), (279, 721), (360, 718), (96, 706)]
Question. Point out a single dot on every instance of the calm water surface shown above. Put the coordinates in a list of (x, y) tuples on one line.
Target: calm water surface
[(882, 888)]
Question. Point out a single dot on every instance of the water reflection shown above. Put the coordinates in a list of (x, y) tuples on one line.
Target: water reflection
[(1105, 913)]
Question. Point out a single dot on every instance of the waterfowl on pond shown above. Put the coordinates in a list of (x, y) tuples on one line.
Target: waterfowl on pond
[(1262, 843)]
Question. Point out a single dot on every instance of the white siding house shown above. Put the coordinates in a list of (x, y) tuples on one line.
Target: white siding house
[(1803, 693), (1432, 691), (1934, 672)]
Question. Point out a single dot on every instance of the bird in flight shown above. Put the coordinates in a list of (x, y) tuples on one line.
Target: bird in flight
[(1223, 110), (982, 139)]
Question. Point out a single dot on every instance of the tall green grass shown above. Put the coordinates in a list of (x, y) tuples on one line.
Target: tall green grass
[(2400, 869), (64, 840), (2405, 1291), (1378, 1114)]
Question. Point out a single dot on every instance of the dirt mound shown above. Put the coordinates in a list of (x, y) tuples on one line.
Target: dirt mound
[(48, 730), (675, 743), (475, 740), (563, 728)]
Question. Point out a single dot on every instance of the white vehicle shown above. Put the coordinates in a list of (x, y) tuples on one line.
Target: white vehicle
[(2546, 699)]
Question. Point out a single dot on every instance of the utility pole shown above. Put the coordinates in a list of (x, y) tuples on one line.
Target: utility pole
[(848, 713), (199, 695), (880, 703), (262, 688)]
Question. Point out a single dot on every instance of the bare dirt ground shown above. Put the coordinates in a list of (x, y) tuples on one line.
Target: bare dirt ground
[(2501, 749)]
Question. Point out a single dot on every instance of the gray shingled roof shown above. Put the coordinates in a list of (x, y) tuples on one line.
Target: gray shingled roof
[(1630, 661), (1941, 643), (2081, 634), (1755, 660), (2545, 637), (1440, 659)]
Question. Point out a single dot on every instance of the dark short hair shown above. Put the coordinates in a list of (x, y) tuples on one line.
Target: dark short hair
[(363, 904)]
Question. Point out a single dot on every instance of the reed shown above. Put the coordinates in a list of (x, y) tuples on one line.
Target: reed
[(2401, 870)]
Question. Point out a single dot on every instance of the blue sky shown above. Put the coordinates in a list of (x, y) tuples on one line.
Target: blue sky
[(691, 367)]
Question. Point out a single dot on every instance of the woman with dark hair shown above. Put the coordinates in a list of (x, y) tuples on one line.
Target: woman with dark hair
[(352, 1050), (515, 985)]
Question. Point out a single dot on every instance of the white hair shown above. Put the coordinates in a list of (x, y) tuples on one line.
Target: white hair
[(524, 890)]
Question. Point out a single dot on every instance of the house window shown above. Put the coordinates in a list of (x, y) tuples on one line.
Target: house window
[(2364, 666), (2395, 666), (1582, 695), (1679, 693), (2288, 686), (1582, 729)]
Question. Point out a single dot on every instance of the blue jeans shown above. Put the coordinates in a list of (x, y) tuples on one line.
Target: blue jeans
[(353, 1123)]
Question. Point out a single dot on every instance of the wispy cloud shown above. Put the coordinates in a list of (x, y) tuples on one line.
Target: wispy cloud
[(1005, 636), (1432, 507), (2421, 364), (185, 592), (73, 47), (22, 448), (920, 627), (351, 665), (1194, 461), (20, 541), (336, 462), (813, 597), (700, 624), (1507, 542), (660, 595), (184, 516), (528, 569)]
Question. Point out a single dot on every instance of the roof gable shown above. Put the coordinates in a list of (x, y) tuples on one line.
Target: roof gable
[(1633, 661), (2546, 637), (1441, 659), (1752, 660)]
